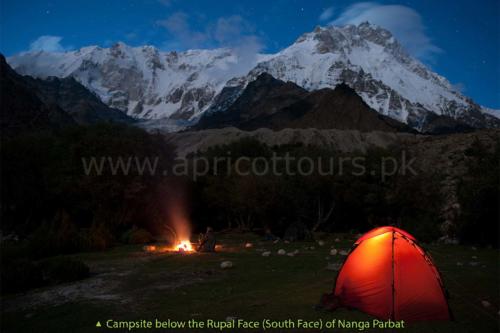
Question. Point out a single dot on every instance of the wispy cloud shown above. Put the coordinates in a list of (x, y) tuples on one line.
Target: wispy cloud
[(230, 31), (459, 86), (48, 43), (326, 14), (181, 33), (166, 3), (404, 22)]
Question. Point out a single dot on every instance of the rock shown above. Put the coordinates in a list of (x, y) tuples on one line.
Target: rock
[(337, 240), (312, 248), (474, 248), (226, 264), (474, 257), (287, 242), (333, 252), (448, 240), (321, 243), (248, 245), (343, 253), (276, 241), (290, 254), (485, 304), (296, 251), (333, 266), (266, 254), (460, 263), (473, 263), (281, 252)]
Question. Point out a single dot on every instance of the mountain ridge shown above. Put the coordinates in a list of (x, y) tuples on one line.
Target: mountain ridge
[(179, 87), (28, 103), (271, 103)]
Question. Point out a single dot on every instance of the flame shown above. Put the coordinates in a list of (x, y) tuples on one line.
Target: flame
[(150, 248), (184, 246), (181, 246)]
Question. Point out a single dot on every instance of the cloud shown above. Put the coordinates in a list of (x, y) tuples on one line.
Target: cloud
[(183, 35), (459, 87), (231, 31), (326, 14), (131, 35), (48, 43), (404, 22), (166, 3)]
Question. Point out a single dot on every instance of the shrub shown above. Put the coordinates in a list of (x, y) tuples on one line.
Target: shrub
[(97, 237), (58, 237), (137, 236)]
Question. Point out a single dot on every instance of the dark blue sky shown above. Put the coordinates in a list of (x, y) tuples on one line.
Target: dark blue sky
[(458, 39)]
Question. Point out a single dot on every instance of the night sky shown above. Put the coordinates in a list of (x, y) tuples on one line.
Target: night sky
[(458, 39)]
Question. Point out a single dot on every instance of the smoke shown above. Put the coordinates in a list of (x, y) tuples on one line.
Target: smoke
[(177, 224)]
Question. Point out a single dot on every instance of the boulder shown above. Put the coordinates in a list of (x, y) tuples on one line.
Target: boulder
[(226, 264)]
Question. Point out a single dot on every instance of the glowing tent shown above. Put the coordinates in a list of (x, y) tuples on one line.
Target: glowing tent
[(389, 276)]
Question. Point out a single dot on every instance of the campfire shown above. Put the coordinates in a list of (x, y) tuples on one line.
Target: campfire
[(178, 233), (184, 246)]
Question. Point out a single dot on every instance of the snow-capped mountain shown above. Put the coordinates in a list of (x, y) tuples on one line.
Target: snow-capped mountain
[(180, 86)]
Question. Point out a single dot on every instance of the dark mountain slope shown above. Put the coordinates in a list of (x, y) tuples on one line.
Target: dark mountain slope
[(271, 103), (21, 108), (30, 104), (85, 107)]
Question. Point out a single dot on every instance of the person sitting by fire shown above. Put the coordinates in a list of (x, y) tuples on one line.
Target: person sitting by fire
[(207, 241)]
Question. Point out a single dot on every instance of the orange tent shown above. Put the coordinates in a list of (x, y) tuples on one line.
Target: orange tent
[(389, 276)]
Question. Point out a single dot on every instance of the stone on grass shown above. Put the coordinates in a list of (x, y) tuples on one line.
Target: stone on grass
[(335, 266), (321, 243), (226, 264), (276, 241), (337, 240), (460, 263), (474, 257), (290, 254), (266, 253), (485, 304), (343, 253), (312, 248), (333, 252), (473, 263), (296, 251), (281, 252)]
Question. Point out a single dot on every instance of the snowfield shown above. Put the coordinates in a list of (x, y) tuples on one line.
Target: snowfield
[(171, 90)]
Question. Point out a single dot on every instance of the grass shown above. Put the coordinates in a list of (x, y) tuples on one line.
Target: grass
[(128, 284)]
